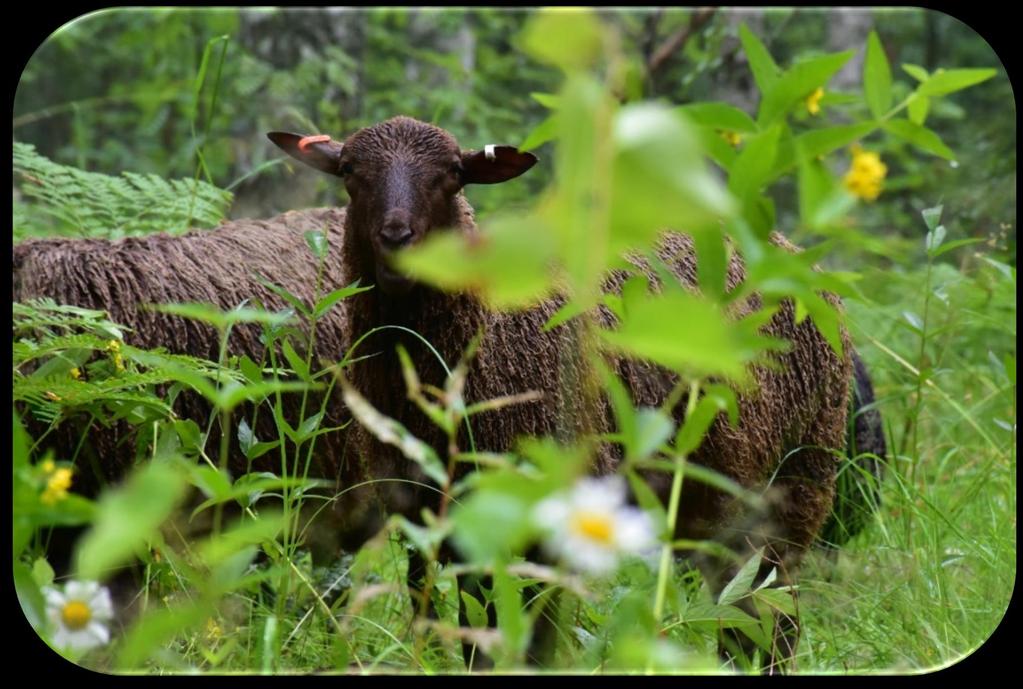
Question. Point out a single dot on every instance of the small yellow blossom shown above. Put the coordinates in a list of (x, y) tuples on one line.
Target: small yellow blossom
[(57, 486), (213, 630), (813, 101), (76, 373), (114, 347), (865, 175), (48, 466), (733, 138), (52, 396)]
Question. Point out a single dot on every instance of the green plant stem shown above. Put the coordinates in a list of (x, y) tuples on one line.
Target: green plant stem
[(664, 571)]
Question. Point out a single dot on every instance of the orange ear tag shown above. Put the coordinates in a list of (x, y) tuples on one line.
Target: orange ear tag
[(315, 139)]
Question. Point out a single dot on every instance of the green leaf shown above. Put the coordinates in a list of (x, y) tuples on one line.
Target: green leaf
[(390, 432), (284, 294), (250, 369), (660, 178), (917, 109), (297, 363), (541, 133), (213, 482), (753, 165), (653, 428), (317, 242), (696, 424), (240, 536), (128, 517), (711, 263), (647, 499), (474, 611), (508, 264), (326, 303), (765, 70), (156, 629), (689, 335), (548, 100), (915, 71), (567, 311), (511, 618), (798, 83), (42, 572), (934, 238), (33, 604), (718, 116), (919, 136), (742, 583), (820, 142), (949, 246), (945, 81), (569, 38), (932, 216), (877, 77), (246, 437)]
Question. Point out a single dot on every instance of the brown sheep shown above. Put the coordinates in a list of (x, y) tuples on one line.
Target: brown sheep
[(405, 179), (216, 266)]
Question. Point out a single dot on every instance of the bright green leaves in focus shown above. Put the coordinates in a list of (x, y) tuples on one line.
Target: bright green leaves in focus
[(567, 37)]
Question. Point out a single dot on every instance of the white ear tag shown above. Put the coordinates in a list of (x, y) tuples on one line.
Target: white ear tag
[(488, 151)]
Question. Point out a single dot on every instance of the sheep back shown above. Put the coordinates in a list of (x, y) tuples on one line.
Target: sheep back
[(210, 266)]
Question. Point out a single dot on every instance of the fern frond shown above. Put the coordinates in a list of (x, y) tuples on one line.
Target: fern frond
[(69, 201)]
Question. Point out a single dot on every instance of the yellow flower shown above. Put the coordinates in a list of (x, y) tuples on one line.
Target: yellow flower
[(865, 175), (213, 630), (813, 101), (733, 138), (75, 373), (48, 466), (118, 362), (114, 346), (56, 486)]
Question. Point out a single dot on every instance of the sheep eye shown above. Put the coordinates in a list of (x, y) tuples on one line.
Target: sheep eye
[(455, 169), (347, 169)]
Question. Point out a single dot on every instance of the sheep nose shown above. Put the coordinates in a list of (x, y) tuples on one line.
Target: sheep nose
[(396, 233)]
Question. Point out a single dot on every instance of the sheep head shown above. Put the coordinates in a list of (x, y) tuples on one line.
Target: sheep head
[(403, 177)]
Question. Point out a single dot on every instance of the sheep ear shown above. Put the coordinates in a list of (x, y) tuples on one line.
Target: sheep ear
[(495, 164), (319, 152)]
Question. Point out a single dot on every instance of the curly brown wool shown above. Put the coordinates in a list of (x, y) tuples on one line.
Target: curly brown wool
[(211, 266)]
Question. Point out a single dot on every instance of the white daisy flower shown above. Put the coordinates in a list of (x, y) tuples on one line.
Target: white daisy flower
[(591, 526), (78, 614)]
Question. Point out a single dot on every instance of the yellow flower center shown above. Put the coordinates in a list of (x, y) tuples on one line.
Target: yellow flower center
[(75, 614), (596, 527)]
